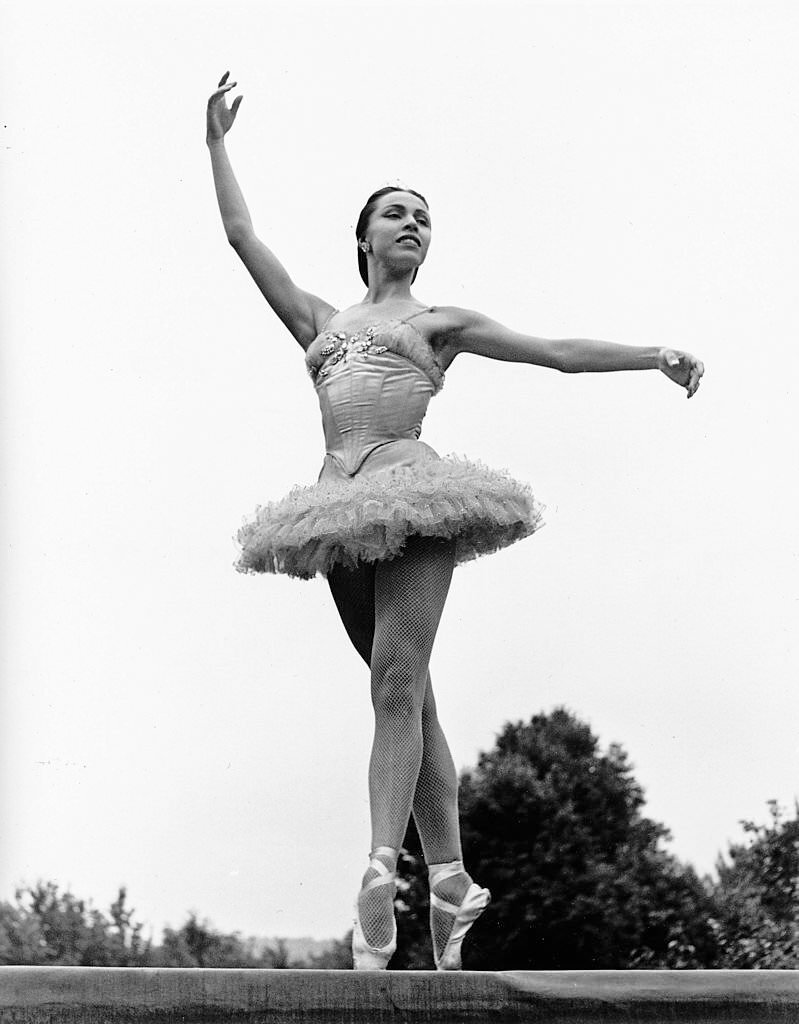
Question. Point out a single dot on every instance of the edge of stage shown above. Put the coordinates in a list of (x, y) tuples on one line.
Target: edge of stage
[(57, 995)]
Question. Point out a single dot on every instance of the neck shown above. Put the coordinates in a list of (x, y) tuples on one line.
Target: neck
[(383, 287)]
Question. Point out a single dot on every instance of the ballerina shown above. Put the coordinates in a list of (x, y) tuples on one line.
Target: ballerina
[(389, 519)]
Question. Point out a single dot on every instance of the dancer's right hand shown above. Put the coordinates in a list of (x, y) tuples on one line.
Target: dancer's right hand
[(220, 117)]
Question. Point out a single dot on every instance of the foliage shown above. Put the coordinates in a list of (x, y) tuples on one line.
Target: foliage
[(555, 829), (45, 926), (337, 957), (757, 896), (579, 876), (197, 944)]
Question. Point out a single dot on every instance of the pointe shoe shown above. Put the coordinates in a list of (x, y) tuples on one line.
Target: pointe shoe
[(471, 907), (364, 956)]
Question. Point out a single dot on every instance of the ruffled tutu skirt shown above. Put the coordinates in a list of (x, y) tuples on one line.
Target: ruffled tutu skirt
[(369, 517)]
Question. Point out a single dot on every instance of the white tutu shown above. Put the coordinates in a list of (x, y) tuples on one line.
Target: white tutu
[(369, 517)]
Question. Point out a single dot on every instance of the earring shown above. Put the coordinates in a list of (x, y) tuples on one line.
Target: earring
[(364, 246)]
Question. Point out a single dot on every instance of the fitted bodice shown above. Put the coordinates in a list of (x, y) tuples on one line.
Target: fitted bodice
[(374, 387)]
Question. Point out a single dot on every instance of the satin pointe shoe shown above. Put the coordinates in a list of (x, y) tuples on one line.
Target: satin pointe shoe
[(364, 956), (471, 907)]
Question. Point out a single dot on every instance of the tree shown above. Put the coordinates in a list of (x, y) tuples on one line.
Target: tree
[(198, 944), (579, 876), (46, 926), (337, 957), (757, 896)]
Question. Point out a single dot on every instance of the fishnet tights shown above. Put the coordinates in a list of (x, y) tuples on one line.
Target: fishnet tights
[(391, 612)]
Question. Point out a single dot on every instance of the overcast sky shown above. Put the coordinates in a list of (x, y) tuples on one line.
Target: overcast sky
[(624, 171)]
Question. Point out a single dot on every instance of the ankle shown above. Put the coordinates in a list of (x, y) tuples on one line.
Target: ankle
[(449, 880), (439, 873), (387, 855), (382, 857)]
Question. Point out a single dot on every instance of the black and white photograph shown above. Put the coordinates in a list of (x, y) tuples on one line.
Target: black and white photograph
[(399, 471)]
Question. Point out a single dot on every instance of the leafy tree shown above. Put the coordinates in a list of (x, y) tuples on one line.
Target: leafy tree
[(45, 926), (579, 876), (757, 896), (198, 944), (337, 957)]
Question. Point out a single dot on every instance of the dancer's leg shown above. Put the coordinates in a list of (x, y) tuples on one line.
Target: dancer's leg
[(410, 592), (435, 809), (353, 591), (409, 595), (435, 802)]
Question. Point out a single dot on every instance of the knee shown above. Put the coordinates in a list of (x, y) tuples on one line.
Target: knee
[(395, 692)]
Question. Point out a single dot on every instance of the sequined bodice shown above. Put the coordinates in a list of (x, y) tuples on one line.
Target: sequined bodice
[(374, 387)]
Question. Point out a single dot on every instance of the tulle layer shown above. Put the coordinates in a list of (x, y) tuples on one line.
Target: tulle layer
[(370, 517)]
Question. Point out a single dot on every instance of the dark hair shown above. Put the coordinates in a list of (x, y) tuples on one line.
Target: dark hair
[(363, 224)]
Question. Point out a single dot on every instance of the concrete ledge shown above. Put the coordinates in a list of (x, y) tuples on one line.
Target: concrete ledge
[(120, 995)]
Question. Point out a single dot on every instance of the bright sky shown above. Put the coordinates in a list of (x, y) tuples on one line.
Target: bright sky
[(624, 171)]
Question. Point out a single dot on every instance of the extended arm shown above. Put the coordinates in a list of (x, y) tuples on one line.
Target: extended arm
[(302, 312), (472, 332)]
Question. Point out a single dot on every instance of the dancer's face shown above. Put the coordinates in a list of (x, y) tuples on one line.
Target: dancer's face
[(399, 230)]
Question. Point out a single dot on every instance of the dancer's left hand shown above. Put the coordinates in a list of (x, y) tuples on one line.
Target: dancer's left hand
[(681, 367)]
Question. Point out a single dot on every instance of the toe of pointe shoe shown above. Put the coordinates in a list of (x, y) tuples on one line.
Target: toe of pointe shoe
[(367, 960), (366, 957), (474, 903)]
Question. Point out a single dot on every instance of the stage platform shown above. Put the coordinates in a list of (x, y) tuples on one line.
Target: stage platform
[(120, 995)]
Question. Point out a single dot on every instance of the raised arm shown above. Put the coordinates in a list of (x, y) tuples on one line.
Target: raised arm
[(467, 331), (301, 312)]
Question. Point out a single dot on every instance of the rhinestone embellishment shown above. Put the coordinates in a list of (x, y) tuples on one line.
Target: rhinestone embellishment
[(339, 347)]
